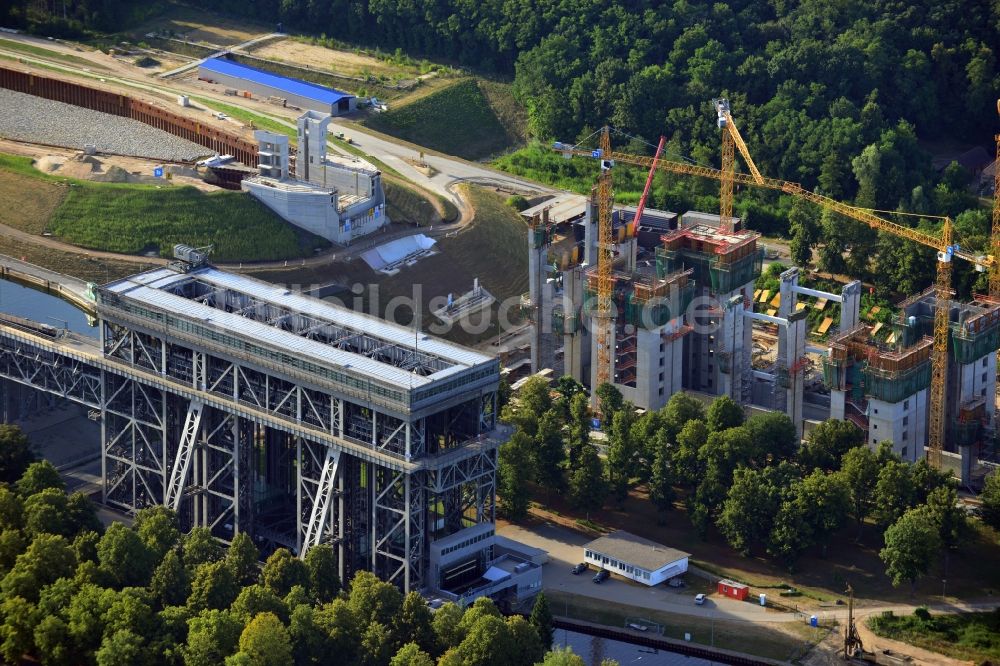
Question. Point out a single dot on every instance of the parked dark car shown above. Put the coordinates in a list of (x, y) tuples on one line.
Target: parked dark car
[(602, 576), (579, 568)]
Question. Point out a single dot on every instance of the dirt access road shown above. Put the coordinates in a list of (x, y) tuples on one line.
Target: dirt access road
[(449, 170)]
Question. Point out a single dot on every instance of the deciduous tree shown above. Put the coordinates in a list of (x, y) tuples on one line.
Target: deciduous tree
[(541, 620), (587, 489), (265, 641), (15, 453), (723, 413), (911, 546), (827, 444), (282, 571), (990, 498), (324, 581), (514, 471), (39, 476)]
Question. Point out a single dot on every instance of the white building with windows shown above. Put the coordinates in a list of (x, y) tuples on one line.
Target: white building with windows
[(638, 559), (339, 199)]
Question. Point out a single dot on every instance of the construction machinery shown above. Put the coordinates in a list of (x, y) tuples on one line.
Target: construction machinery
[(649, 182), (995, 236), (731, 139), (605, 261), (943, 244)]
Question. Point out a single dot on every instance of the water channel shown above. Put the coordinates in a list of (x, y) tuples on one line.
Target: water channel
[(43, 308), (594, 648), (47, 309)]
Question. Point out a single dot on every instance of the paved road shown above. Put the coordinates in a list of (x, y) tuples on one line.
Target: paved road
[(565, 548), (239, 47), (451, 171)]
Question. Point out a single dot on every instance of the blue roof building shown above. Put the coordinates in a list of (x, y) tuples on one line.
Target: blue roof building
[(260, 83)]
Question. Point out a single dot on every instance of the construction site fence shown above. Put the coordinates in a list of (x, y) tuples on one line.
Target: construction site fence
[(709, 269), (212, 138)]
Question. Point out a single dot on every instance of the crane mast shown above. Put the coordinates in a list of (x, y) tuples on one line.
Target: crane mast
[(605, 259), (995, 235), (946, 249), (731, 140)]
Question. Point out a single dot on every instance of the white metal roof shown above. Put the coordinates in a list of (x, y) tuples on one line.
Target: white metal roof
[(562, 207), (148, 288)]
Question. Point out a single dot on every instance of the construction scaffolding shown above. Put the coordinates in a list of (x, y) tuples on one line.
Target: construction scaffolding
[(647, 301), (976, 337), (722, 261), (865, 368)]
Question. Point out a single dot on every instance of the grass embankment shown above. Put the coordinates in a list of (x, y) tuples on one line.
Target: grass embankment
[(134, 218), (783, 641), (406, 205), (27, 202), (490, 248), (457, 120), (39, 52), (967, 636), (241, 114)]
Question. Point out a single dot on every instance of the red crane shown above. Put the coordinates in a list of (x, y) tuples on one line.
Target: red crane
[(645, 190)]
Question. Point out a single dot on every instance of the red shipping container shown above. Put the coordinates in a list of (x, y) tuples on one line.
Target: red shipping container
[(733, 590)]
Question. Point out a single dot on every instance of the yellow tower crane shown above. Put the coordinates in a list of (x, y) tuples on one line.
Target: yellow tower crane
[(995, 236), (946, 251), (731, 139), (605, 261)]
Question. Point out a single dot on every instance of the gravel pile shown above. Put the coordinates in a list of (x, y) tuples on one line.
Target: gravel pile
[(34, 119)]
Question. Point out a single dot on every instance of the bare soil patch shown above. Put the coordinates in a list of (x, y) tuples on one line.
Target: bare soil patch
[(28, 204), (341, 62), (198, 26)]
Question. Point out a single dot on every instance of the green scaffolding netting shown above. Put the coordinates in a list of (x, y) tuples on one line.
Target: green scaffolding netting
[(893, 388), (861, 380), (708, 269), (652, 313), (969, 348)]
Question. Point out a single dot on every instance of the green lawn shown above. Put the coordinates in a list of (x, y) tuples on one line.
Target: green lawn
[(967, 636), (457, 120), (132, 219), (135, 218), (241, 114), (39, 52)]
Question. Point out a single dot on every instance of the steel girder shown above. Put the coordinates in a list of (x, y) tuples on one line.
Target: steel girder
[(317, 496), (50, 372), (134, 436), (185, 453)]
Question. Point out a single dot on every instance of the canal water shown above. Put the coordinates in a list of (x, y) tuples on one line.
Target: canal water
[(594, 648), (43, 308)]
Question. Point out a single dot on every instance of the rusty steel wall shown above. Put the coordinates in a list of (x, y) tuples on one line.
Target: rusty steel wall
[(218, 140)]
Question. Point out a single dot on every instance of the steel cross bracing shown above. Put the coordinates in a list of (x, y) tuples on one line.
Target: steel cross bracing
[(322, 499), (185, 453), (153, 395)]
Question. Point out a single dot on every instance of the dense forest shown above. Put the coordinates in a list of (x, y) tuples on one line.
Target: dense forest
[(74, 591), (847, 97)]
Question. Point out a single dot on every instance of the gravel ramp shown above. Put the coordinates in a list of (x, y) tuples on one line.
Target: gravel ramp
[(38, 120)]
